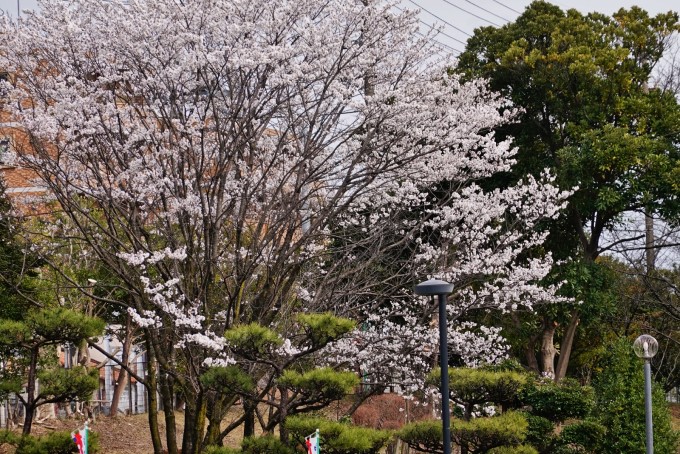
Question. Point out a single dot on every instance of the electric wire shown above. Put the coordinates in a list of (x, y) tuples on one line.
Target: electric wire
[(487, 11), (442, 20), (471, 14), (506, 6), (442, 45)]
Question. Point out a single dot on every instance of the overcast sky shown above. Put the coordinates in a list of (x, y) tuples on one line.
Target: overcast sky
[(460, 17)]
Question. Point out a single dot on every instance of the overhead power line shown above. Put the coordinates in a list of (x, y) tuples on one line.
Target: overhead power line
[(487, 11), (471, 14), (442, 20), (440, 33), (442, 45), (506, 6)]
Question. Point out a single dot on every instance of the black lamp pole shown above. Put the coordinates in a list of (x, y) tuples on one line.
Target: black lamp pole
[(434, 287)]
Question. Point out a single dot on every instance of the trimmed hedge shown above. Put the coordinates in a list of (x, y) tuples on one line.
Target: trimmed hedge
[(336, 437)]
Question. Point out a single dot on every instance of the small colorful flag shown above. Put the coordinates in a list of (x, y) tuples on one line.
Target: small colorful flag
[(80, 439), (312, 443)]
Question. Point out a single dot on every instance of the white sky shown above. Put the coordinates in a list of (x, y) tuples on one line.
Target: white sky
[(460, 17)]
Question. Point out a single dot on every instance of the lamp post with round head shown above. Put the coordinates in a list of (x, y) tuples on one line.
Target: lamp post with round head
[(442, 289), (646, 347)]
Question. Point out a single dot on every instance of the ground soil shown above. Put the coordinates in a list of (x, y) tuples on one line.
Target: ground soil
[(120, 435), (130, 434)]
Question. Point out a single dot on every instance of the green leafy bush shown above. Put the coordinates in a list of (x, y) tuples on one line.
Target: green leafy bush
[(482, 434), (540, 432), (521, 449), (337, 438), (559, 401), (476, 387), (54, 443), (325, 383), (586, 435), (425, 436), (221, 450), (265, 444)]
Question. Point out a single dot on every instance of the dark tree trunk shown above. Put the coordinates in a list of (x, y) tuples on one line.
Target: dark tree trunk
[(152, 388), (567, 344), (30, 391), (283, 414), (249, 418), (167, 391)]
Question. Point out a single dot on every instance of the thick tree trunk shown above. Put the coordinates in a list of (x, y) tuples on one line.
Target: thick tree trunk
[(548, 350), (567, 345)]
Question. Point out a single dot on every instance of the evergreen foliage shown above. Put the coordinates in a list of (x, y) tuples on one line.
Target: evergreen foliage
[(338, 438), (52, 443), (424, 436), (28, 350), (472, 388), (480, 435), (559, 401), (620, 406), (320, 385)]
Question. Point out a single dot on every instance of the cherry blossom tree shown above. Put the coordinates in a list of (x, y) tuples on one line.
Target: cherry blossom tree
[(240, 162)]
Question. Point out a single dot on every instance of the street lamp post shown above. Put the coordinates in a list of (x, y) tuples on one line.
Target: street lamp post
[(646, 347), (434, 287)]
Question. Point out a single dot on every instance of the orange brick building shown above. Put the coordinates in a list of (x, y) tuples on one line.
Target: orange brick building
[(21, 184)]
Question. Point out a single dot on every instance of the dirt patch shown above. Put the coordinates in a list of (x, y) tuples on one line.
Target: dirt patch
[(124, 434)]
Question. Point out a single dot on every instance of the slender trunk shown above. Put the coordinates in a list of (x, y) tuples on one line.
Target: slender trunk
[(567, 345), (283, 414), (152, 387), (121, 383), (650, 253), (166, 388), (249, 418), (30, 391), (548, 350)]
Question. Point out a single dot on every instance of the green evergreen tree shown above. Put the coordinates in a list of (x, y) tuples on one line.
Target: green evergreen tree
[(620, 405)]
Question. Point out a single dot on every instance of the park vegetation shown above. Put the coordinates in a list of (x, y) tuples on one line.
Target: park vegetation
[(248, 190)]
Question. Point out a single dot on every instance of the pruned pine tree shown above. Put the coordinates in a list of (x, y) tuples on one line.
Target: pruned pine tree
[(236, 163)]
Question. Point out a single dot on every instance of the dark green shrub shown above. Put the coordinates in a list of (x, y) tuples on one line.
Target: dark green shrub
[(479, 435), (540, 432), (425, 436), (337, 438), (619, 388), (559, 401), (221, 450), (265, 444), (473, 388), (9, 437), (55, 443), (587, 435), (521, 449)]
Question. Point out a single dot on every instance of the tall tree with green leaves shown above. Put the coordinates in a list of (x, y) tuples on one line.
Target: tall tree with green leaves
[(589, 115)]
